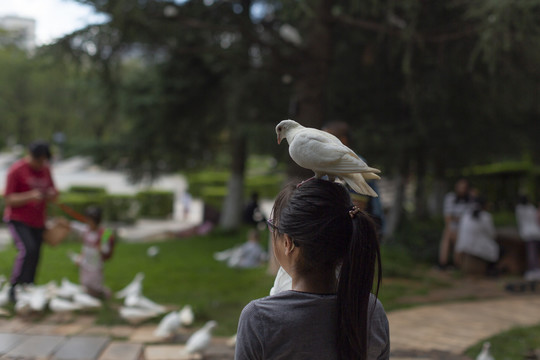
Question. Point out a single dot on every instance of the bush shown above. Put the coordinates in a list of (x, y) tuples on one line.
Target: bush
[(94, 190), (121, 208), (77, 201), (155, 204)]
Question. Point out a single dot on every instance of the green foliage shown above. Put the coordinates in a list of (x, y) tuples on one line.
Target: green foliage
[(77, 201), (420, 238), (515, 344), (121, 208), (155, 204), (91, 190)]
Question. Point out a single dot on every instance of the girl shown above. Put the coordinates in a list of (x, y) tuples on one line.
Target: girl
[(317, 233)]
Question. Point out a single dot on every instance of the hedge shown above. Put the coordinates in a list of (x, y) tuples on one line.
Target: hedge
[(155, 204), (121, 208), (95, 190)]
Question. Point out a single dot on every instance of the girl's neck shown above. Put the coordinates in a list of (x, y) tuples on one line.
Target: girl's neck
[(316, 282)]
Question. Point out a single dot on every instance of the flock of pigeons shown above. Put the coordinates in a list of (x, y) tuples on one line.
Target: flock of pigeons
[(69, 297)]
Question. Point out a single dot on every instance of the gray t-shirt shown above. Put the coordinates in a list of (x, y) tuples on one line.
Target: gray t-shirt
[(294, 325)]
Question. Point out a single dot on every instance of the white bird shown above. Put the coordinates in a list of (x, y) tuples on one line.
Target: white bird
[(68, 289), (152, 251), (134, 287), (86, 301), (200, 340), (168, 325), (38, 298), (136, 315), (22, 305), (139, 301), (186, 315), (325, 154), (290, 34), (484, 354), (59, 305), (4, 294)]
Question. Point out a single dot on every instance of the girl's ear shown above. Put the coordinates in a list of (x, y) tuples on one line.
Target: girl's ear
[(288, 244)]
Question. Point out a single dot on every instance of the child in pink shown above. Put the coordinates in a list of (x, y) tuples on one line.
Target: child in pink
[(98, 245)]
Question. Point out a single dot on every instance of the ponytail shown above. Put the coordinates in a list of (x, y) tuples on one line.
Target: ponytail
[(354, 288)]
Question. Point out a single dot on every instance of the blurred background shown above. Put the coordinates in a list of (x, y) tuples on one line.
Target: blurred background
[(154, 90)]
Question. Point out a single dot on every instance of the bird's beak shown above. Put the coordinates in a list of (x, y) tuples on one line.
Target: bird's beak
[(279, 139)]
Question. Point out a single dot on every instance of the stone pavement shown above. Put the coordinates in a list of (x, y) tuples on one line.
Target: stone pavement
[(440, 331)]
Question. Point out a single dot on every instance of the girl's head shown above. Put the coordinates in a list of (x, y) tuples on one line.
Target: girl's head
[(318, 220), (93, 213)]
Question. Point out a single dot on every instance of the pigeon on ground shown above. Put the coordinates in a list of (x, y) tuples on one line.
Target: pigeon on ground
[(186, 315), (86, 301), (325, 154), (200, 340), (134, 287), (136, 315), (4, 294), (168, 325), (152, 251), (59, 305), (484, 354), (38, 298), (68, 289), (141, 302)]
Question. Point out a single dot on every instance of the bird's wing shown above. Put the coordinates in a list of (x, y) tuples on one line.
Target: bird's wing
[(316, 150)]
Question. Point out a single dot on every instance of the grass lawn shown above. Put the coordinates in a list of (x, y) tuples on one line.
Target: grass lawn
[(514, 344), (185, 273)]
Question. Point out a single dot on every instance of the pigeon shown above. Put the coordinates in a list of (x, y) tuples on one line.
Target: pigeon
[(68, 289), (152, 251), (484, 354), (325, 154), (139, 301), (136, 315), (59, 305), (4, 294), (186, 315), (86, 301), (134, 287), (200, 339), (38, 298), (168, 325)]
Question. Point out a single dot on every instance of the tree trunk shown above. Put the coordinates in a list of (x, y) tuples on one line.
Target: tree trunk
[(312, 76), (420, 191), (231, 214)]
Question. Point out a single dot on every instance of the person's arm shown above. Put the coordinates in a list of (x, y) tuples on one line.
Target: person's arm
[(23, 198), (379, 334), (249, 338)]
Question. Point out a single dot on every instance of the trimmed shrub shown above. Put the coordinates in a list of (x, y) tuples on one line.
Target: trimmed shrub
[(95, 190), (121, 208), (77, 201), (155, 204)]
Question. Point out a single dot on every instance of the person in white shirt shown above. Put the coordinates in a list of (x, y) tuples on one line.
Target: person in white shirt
[(528, 221), (456, 204), (476, 234)]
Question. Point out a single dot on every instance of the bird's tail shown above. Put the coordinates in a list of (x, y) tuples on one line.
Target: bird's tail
[(359, 184), (370, 176)]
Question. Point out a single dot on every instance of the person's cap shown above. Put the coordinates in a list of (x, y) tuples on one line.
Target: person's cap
[(40, 149)]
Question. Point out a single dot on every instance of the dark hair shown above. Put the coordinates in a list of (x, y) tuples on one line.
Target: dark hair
[(316, 217), (94, 213), (39, 149), (523, 199)]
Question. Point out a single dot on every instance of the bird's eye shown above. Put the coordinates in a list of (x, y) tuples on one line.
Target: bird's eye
[(279, 128)]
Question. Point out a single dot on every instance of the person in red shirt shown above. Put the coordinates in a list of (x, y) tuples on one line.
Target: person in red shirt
[(29, 186)]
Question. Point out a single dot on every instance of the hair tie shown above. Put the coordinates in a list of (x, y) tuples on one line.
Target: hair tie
[(353, 211)]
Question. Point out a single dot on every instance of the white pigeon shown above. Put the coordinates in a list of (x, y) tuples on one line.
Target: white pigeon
[(152, 251), (484, 354), (134, 287), (59, 305), (139, 301), (168, 325), (38, 298), (136, 315), (4, 294), (68, 289), (22, 305), (325, 154), (86, 301), (186, 315), (200, 340)]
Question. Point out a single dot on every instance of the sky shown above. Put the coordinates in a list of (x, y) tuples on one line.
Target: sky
[(54, 18)]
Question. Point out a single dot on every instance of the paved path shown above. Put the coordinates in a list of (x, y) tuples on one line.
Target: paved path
[(429, 332), (452, 328)]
